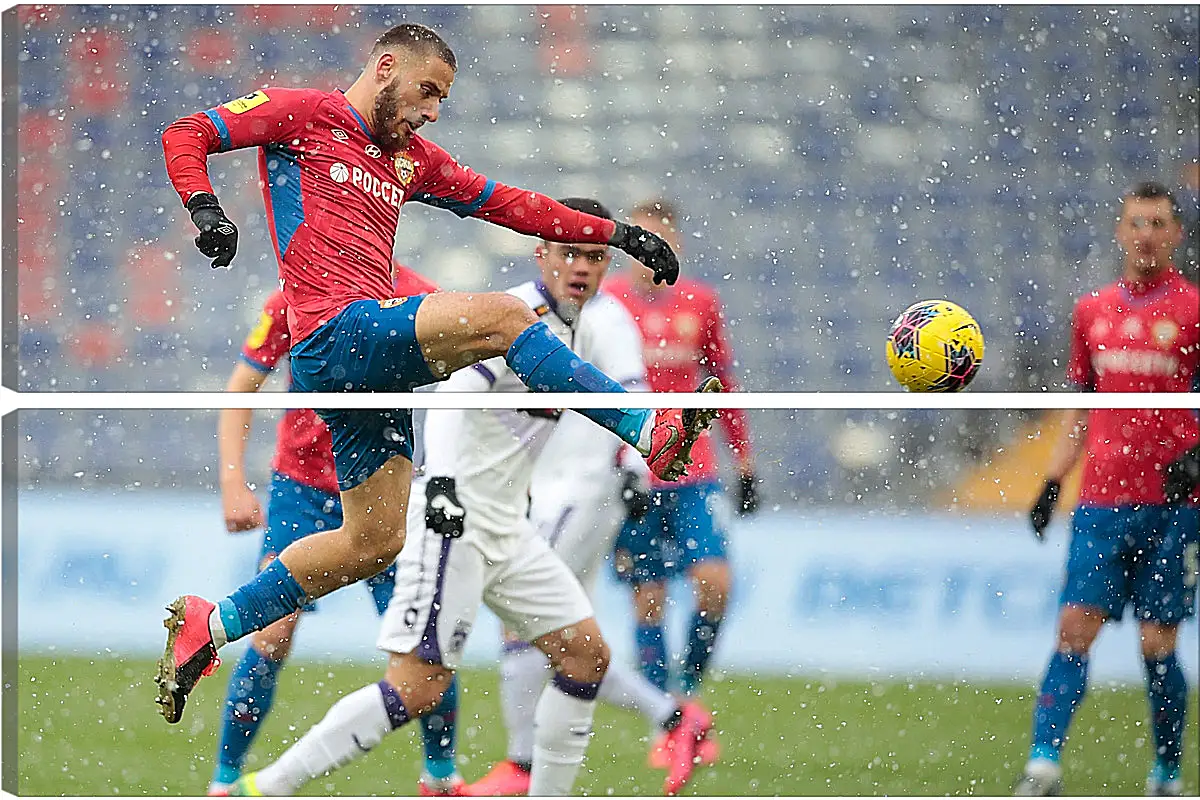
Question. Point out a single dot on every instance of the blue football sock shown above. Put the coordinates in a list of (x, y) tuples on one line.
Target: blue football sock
[(1062, 692), (545, 364), (701, 642), (270, 596), (652, 654), (247, 702), (382, 586), (1167, 690), (439, 732)]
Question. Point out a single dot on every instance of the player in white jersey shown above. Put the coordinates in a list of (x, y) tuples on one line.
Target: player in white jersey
[(471, 542)]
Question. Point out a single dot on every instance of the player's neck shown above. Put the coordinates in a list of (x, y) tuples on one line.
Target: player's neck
[(361, 100), (1140, 281)]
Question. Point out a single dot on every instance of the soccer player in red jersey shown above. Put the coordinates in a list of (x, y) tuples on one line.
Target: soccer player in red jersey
[(1135, 533), (303, 500), (685, 529), (335, 169)]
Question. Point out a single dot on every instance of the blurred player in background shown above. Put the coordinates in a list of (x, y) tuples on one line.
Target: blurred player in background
[(335, 170), (472, 544), (578, 495), (1135, 533), (303, 500), (685, 529)]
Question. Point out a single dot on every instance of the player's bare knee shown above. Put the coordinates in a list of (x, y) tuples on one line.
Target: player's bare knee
[(650, 601), (1158, 641), (1078, 627), (508, 317), (712, 582), (420, 684)]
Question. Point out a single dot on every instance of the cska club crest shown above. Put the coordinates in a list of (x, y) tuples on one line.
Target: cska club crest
[(1165, 333), (406, 168)]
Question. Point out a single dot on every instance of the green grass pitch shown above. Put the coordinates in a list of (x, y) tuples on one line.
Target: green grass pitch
[(90, 727)]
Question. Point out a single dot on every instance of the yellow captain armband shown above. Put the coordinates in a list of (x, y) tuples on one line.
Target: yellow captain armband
[(244, 104), (259, 334)]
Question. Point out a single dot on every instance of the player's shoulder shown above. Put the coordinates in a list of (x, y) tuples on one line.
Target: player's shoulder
[(279, 95), (696, 290), (1099, 298), (529, 292)]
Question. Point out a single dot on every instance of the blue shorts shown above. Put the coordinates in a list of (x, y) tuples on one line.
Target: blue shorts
[(295, 511), (1145, 555), (369, 346), (685, 525)]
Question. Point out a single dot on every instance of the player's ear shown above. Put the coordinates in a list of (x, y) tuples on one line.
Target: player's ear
[(385, 65), (539, 252)]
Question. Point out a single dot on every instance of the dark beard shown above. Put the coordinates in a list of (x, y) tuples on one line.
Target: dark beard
[(387, 111)]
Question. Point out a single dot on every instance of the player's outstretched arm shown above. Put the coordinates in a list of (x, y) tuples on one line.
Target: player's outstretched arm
[(240, 505), (1072, 430), (266, 116), (447, 184)]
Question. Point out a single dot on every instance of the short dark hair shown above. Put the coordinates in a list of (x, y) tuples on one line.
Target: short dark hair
[(587, 206), (1153, 190), (660, 209), (414, 37)]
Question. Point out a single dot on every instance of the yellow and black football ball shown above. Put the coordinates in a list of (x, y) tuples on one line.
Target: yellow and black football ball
[(935, 346)]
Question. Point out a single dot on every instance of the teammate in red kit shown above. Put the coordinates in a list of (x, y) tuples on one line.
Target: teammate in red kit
[(1135, 534), (303, 500), (335, 169), (685, 528)]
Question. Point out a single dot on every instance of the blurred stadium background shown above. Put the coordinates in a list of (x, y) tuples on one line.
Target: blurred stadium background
[(835, 165)]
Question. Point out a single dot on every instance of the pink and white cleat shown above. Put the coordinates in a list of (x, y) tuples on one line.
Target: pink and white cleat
[(682, 742), (505, 779), (675, 431), (190, 654)]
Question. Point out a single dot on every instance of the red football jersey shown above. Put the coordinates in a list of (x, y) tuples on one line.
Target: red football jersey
[(333, 194), (303, 447), (1136, 339), (683, 342)]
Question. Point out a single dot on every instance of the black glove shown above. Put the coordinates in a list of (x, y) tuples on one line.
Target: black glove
[(1043, 509), (649, 249), (635, 494), (1182, 476), (218, 236), (749, 496), (443, 513)]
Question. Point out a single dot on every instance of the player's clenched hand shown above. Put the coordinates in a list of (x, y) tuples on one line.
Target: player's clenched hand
[(1043, 509), (648, 248), (218, 236), (635, 494), (1182, 476), (443, 513), (242, 510), (749, 496)]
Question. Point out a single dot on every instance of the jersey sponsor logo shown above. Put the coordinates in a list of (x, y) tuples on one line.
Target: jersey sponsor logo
[(387, 191), (244, 104), (1135, 362), (391, 302), (340, 135), (373, 151), (339, 172), (406, 168), (1165, 332), (259, 335)]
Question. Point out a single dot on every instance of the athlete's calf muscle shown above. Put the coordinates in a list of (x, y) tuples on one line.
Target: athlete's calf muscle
[(456, 329)]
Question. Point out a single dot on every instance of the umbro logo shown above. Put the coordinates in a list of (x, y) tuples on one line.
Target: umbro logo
[(340, 135)]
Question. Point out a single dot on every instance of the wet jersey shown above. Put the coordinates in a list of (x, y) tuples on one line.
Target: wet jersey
[(334, 194), (1142, 338), (491, 453)]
